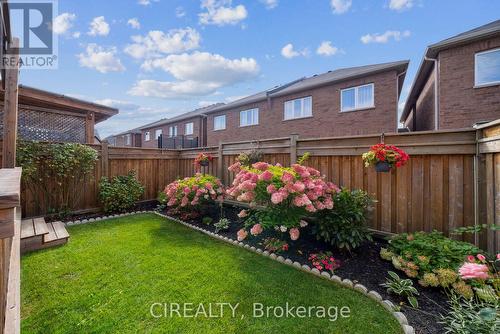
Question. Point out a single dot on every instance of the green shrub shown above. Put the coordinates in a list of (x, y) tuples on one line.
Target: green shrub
[(345, 225), (207, 220), (120, 193), (222, 225), (58, 171), (429, 252)]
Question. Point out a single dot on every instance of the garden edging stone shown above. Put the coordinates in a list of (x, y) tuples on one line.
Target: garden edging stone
[(388, 305)]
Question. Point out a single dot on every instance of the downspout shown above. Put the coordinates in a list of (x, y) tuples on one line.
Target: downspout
[(436, 91), (476, 188), (397, 98)]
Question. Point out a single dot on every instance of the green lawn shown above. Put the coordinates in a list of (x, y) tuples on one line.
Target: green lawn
[(111, 272)]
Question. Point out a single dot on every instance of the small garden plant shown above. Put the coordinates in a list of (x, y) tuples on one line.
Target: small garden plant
[(402, 287), (324, 261), (385, 155), (285, 194), (222, 225), (275, 245), (202, 160), (120, 193)]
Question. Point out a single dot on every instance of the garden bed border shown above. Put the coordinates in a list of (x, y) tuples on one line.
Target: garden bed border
[(374, 295)]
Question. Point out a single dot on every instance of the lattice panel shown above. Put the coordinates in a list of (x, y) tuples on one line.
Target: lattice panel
[(48, 126)]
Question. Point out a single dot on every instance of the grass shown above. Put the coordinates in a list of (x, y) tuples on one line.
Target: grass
[(111, 272)]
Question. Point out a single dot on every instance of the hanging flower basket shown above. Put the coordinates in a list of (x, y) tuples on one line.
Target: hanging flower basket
[(385, 157), (202, 160), (204, 163)]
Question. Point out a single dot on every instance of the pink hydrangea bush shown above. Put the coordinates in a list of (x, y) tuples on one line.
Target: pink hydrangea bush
[(284, 194), (191, 193), (482, 276)]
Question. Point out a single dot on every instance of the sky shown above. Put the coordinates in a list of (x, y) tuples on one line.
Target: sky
[(156, 59)]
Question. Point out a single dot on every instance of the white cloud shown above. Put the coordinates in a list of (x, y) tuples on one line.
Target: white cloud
[(288, 51), (340, 6), (134, 23), (270, 4), (146, 2), (400, 5), (180, 12), (385, 37), (327, 49), (63, 23), (101, 59), (198, 74), (76, 34), (220, 12), (99, 26), (156, 43)]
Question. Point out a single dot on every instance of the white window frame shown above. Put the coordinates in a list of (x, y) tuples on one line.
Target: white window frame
[(356, 88), (255, 117), (172, 131), (157, 135), (147, 136), (186, 132), (492, 83), (128, 139), (222, 128), (302, 114)]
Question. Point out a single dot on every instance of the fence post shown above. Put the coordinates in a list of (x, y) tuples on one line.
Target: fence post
[(220, 162), (293, 148), (105, 158)]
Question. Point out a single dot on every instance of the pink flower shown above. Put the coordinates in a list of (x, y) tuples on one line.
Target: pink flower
[(242, 234), (266, 176), (299, 186), (303, 223), (256, 229), (243, 214), (471, 258), (271, 189), (187, 190), (287, 177), (473, 271), (277, 198), (481, 257), (310, 208), (184, 201), (294, 233), (260, 165), (498, 256), (235, 168)]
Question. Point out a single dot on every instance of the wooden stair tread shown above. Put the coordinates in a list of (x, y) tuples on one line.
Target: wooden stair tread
[(51, 236), (40, 226), (60, 230), (27, 228)]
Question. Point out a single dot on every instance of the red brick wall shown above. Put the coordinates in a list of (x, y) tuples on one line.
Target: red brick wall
[(327, 120), (460, 104), (135, 140), (181, 126)]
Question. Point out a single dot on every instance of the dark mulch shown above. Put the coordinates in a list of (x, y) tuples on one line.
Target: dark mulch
[(363, 265)]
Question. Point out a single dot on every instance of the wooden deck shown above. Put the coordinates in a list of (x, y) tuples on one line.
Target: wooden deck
[(37, 234)]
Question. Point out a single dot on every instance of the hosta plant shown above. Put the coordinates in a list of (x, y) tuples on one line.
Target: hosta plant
[(191, 193), (280, 196), (401, 287)]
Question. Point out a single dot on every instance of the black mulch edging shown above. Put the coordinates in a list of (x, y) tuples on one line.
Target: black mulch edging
[(364, 265)]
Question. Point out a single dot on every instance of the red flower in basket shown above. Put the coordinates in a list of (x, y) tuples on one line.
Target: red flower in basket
[(202, 160), (384, 157)]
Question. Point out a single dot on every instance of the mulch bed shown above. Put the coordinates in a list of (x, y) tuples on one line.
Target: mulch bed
[(363, 265)]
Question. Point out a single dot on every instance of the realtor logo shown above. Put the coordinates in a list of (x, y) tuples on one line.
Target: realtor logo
[(31, 22)]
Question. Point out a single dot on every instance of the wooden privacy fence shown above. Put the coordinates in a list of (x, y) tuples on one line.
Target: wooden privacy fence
[(452, 179)]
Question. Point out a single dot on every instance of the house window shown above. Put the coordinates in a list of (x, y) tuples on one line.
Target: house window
[(188, 129), (147, 136), (360, 97), (172, 131), (249, 117), (158, 132), (128, 139), (487, 67), (298, 108), (220, 122)]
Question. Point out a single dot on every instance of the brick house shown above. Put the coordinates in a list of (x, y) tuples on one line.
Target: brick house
[(345, 102), (457, 83), (48, 116), (129, 138), (188, 130)]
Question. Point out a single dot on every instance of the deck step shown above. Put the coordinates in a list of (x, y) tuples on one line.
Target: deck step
[(40, 226), (33, 227), (37, 234), (60, 230)]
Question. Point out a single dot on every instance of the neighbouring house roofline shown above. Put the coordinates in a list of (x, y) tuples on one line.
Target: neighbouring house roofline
[(200, 112), (316, 81), (426, 66), (136, 131), (49, 100)]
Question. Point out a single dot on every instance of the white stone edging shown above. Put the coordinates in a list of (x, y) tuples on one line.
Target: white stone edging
[(387, 304)]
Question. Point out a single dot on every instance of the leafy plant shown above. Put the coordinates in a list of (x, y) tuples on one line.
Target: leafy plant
[(248, 159), (221, 225), (191, 193), (471, 316), (401, 287), (324, 261), (344, 226), (120, 193), (207, 220), (162, 201), (275, 245), (58, 171)]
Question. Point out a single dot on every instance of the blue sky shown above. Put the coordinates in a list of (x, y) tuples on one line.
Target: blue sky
[(158, 58)]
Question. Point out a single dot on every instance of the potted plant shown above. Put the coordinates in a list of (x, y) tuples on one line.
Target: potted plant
[(385, 157), (202, 160)]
